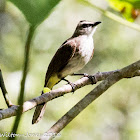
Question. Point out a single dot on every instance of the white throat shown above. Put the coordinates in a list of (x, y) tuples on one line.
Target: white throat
[(93, 31)]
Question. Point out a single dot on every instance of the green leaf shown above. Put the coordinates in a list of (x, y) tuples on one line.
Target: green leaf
[(126, 7), (135, 3), (35, 11)]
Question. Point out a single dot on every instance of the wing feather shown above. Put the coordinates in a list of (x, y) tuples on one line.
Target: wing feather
[(61, 58)]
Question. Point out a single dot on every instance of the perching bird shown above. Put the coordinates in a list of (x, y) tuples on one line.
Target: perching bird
[(71, 57)]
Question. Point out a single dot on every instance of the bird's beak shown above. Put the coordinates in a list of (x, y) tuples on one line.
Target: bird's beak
[(96, 23)]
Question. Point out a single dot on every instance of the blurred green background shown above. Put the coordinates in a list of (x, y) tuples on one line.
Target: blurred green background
[(113, 116)]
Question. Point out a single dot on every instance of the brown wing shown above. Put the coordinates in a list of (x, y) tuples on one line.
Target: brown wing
[(61, 58)]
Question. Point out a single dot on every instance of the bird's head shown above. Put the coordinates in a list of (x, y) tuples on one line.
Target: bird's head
[(86, 28)]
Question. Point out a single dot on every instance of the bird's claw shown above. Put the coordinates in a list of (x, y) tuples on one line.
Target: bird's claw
[(73, 86), (91, 77)]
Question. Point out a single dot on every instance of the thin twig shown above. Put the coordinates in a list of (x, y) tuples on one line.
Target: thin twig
[(128, 71), (25, 71), (4, 91)]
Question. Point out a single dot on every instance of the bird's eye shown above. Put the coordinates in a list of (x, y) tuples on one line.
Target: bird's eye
[(85, 25)]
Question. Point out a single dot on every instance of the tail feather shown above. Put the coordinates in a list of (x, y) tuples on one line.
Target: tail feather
[(38, 114), (40, 109)]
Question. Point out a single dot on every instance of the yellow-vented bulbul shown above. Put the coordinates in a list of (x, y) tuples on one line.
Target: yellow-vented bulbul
[(72, 56)]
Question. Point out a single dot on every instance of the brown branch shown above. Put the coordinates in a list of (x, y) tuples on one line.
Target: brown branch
[(4, 91), (114, 77), (6, 113)]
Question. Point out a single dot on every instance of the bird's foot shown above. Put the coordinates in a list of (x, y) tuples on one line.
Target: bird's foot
[(73, 86), (91, 77), (77, 74)]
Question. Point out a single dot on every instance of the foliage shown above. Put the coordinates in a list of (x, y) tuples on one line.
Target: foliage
[(35, 11), (129, 8)]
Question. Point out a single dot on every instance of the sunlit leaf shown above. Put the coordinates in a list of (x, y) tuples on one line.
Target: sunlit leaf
[(130, 9), (35, 11)]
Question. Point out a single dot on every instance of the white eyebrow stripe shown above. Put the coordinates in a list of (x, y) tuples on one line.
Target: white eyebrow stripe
[(86, 22)]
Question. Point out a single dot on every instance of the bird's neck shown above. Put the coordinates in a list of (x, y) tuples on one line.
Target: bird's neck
[(81, 36)]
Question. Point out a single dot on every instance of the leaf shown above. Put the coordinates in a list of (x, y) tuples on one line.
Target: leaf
[(135, 3), (128, 8), (35, 11)]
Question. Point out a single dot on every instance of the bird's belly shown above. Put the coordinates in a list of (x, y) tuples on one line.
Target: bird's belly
[(76, 64)]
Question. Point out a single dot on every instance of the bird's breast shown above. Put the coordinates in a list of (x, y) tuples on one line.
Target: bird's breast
[(86, 48)]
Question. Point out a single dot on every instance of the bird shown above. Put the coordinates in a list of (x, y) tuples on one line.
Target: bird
[(70, 57)]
